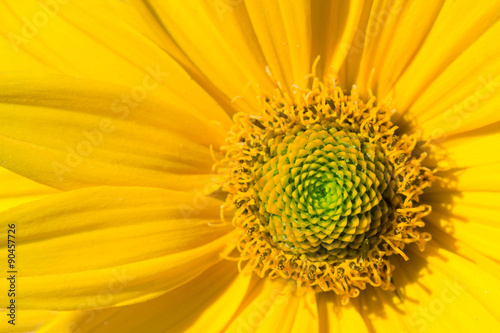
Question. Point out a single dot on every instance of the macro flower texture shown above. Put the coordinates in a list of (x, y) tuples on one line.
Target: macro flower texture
[(250, 166)]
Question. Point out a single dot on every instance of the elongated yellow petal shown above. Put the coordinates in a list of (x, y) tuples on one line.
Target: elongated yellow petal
[(442, 290), (333, 30), (338, 318), (472, 148), (436, 290), (462, 93), (284, 33), (446, 240), (476, 178), (297, 315), (477, 108), (272, 306), (219, 44), (24, 321), (107, 246), (384, 311), (470, 218), (88, 39), (222, 304), (352, 49), (16, 190), (392, 38), (446, 70), (70, 133), (479, 178), (204, 304)]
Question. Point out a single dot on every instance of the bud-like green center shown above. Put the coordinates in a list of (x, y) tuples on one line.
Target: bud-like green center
[(323, 190)]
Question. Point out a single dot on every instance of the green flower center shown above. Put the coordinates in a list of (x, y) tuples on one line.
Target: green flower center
[(323, 191)]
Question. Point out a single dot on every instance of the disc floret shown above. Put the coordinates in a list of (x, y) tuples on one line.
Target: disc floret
[(323, 190)]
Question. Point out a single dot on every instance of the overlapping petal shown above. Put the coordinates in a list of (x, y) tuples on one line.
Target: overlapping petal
[(16, 190), (203, 304), (108, 246), (25, 321), (443, 290), (70, 133), (86, 39), (273, 305), (220, 45)]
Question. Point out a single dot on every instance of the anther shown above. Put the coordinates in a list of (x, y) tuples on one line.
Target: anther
[(264, 254), (258, 123), (408, 185), (371, 131), (281, 261), (293, 262), (355, 267), (312, 271), (312, 108), (282, 115), (402, 219), (240, 203)]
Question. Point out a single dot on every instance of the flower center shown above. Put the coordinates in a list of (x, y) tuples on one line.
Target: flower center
[(322, 189)]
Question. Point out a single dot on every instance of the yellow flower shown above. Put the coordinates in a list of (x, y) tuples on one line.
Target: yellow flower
[(174, 166)]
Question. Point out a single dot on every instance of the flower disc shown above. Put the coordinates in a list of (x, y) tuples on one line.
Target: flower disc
[(322, 190)]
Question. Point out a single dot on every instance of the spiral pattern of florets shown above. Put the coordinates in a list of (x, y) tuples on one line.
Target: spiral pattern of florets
[(324, 191)]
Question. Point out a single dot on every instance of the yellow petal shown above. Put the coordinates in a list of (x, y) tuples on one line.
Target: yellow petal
[(88, 39), (471, 149), (436, 290), (350, 51), (468, 217), (284, 34), (460, 247), (380, 45), (335, 317), (24, 321), (16, 190), (472, 108), (334, 26), (443, 291), (70, 133), (477, 178), (273, 306), (393, 36), (219, 43), (383, 311), (299, 314), (450, 61), (214, 315), (481, 178), (461, 92), (204, 304), (107, 246)]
